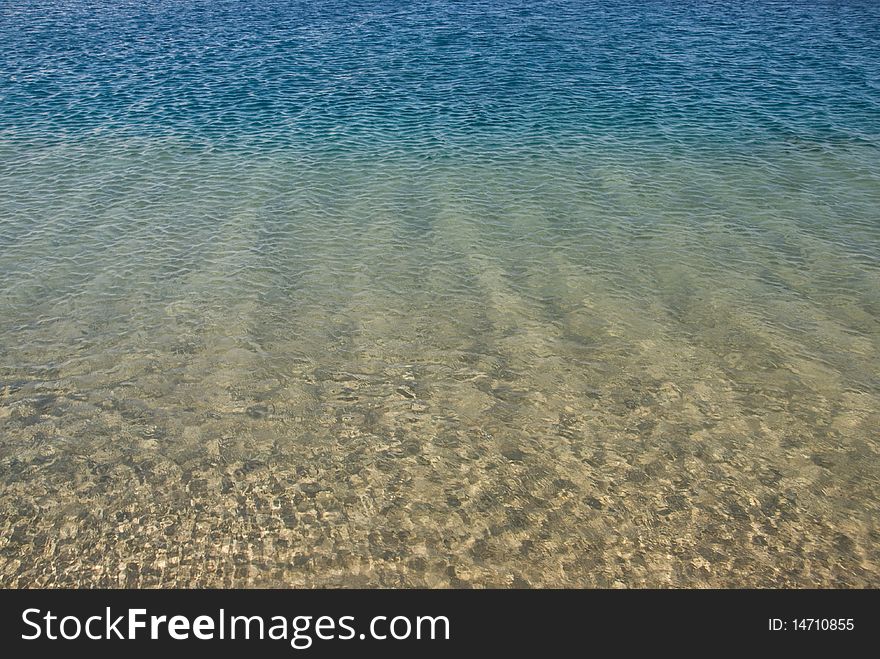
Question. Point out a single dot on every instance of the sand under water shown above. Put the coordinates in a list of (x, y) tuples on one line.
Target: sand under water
[(592, 369)]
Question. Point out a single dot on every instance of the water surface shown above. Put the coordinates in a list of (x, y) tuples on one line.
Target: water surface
[(439, 293)]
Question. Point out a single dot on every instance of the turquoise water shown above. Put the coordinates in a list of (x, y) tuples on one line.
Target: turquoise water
[(439, 293)]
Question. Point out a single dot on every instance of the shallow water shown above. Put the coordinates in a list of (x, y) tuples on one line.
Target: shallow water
[(439, 294)]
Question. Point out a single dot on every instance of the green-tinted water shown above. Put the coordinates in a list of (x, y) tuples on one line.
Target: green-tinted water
[(599, 366)]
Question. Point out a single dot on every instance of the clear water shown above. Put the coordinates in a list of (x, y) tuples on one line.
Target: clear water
[(578, 293)]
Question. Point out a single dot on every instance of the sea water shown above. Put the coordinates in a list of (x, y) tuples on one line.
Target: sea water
[(439, 293)]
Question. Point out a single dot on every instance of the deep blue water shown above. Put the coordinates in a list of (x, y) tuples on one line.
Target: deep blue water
[(442, 72)]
